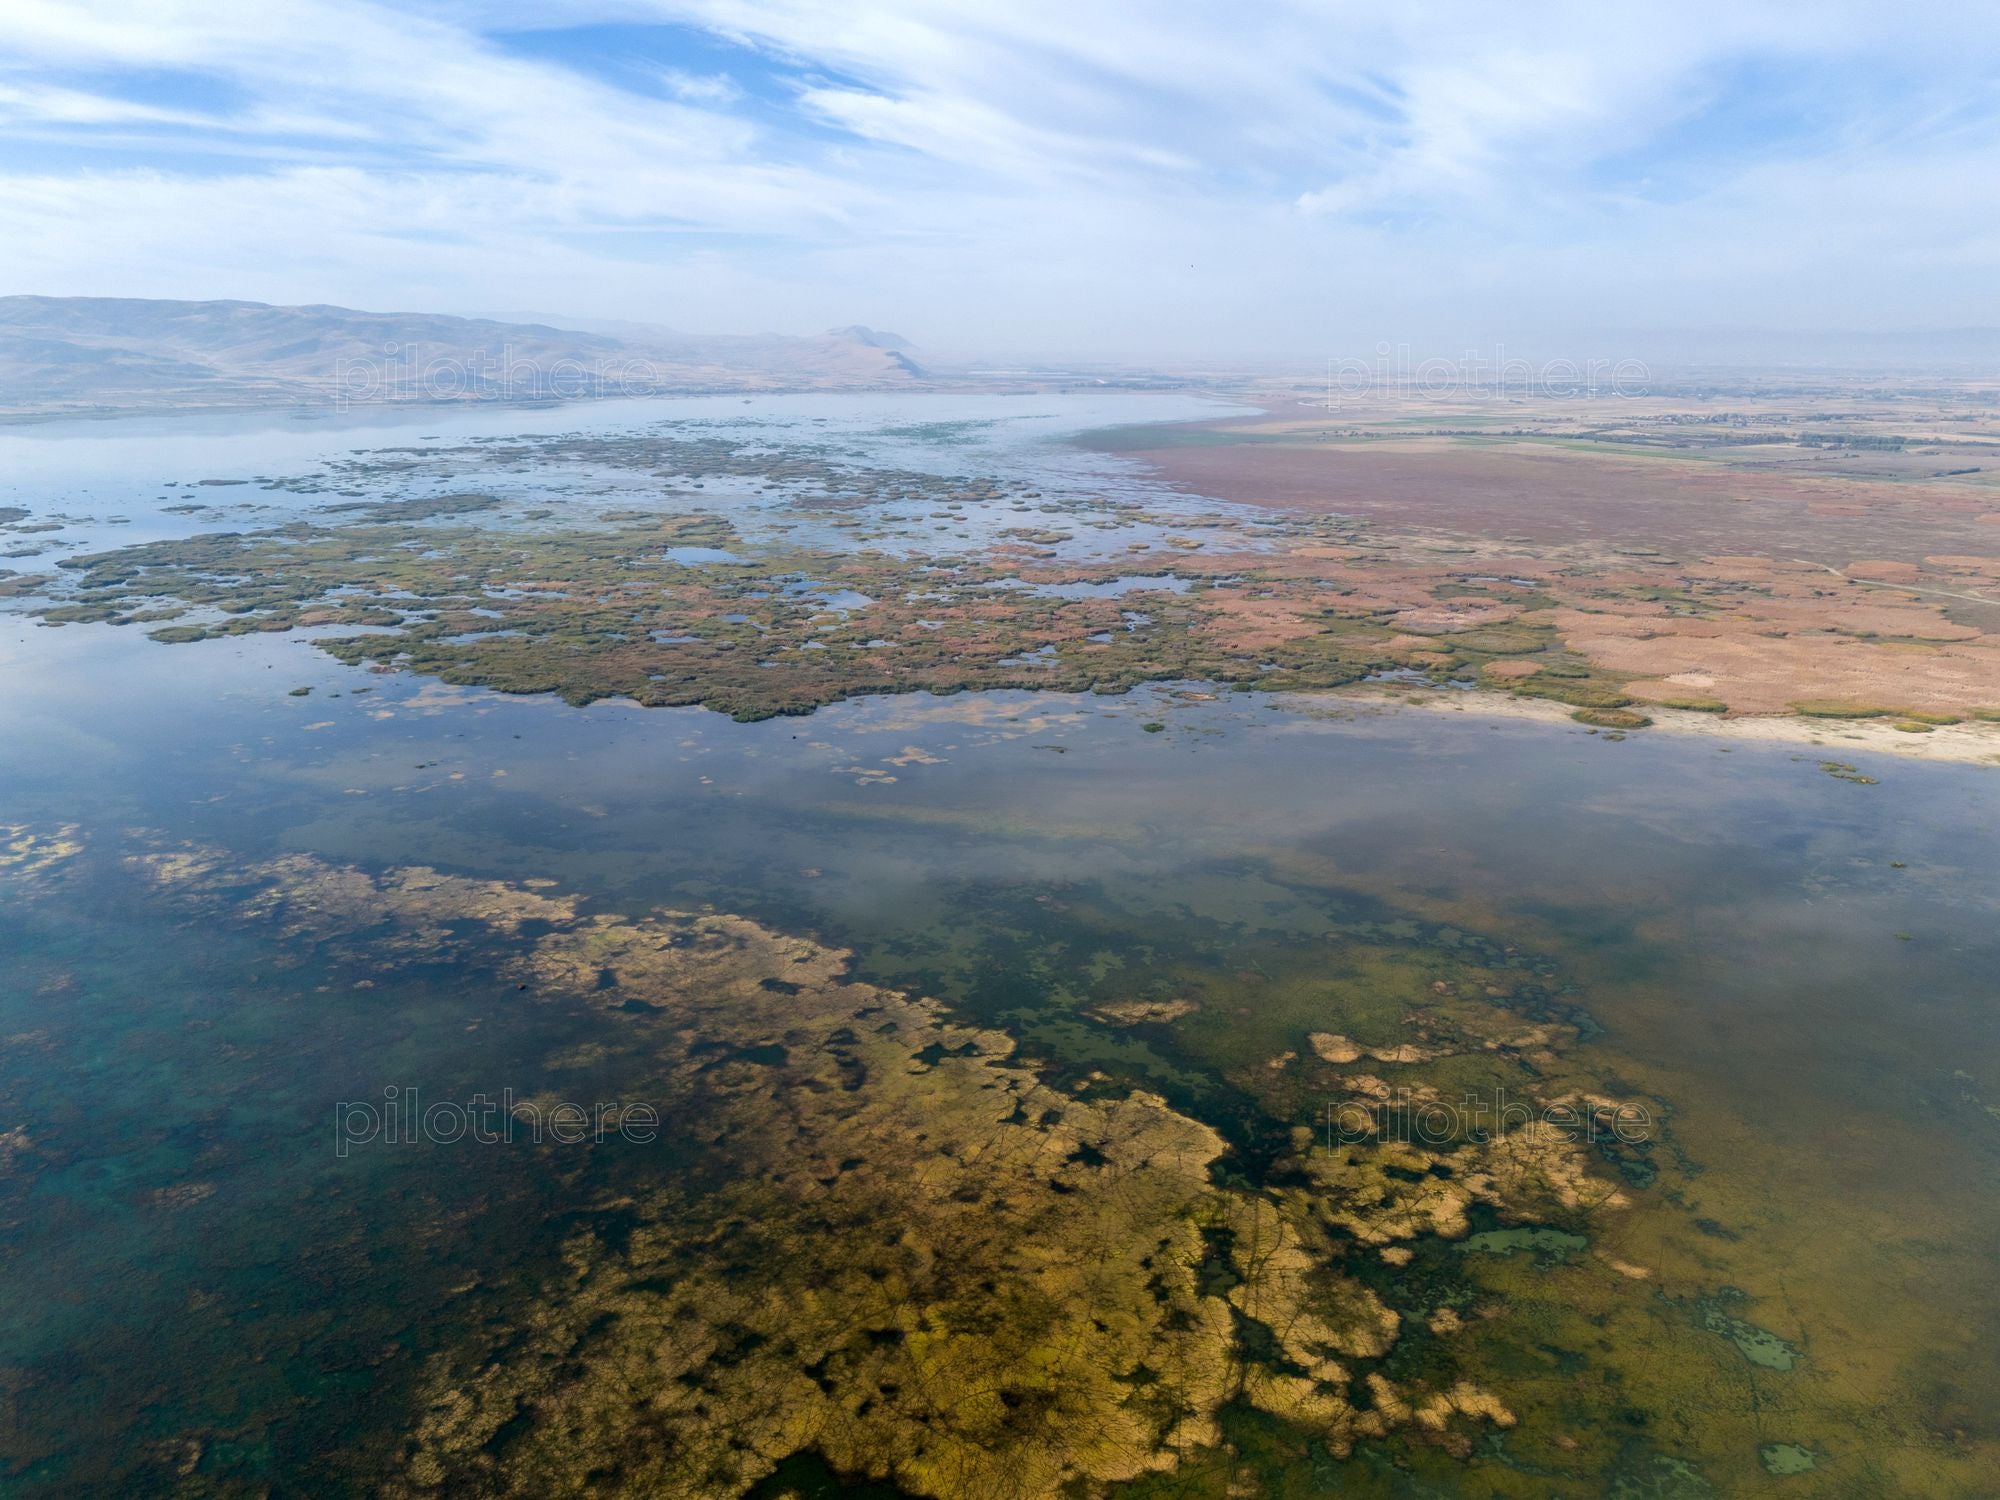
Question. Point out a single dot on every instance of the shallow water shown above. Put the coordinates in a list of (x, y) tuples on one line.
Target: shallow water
[(115, 482), (1797, 970)]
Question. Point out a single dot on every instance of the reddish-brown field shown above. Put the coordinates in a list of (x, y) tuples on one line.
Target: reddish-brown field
[(1741, 565), (1551, 494)]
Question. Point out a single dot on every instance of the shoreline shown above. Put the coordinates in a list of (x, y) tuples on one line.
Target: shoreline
[(1971, 743)]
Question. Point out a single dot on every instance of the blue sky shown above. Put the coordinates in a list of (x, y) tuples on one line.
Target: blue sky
[(1148, 179)]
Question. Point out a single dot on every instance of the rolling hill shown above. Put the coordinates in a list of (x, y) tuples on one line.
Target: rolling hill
[(94, 353)]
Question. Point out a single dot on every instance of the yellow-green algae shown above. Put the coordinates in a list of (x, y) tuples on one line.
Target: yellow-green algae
[(1606, 1358), (915, 1257), (1296, 1316)]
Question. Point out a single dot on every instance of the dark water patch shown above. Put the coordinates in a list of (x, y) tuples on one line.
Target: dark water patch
[(1719, 1314), (1781, 1459)]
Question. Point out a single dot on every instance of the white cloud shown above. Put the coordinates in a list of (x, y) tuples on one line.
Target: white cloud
[(1163, 177), (700, 88)]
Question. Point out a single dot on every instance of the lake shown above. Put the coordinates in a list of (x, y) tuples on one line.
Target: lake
[(1244, 922)]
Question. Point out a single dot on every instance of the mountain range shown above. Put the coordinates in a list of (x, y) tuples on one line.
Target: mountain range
[(96, 353)]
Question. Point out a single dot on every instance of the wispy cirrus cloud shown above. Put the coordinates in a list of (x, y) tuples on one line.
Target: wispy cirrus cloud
[(1161, 178)]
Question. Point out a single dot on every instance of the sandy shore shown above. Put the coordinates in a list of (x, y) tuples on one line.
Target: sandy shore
[(1971, 743)]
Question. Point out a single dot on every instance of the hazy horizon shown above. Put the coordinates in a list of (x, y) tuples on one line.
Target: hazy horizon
[(1296, 184)]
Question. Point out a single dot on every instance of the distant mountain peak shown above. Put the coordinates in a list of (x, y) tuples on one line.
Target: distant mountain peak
[(874, 338)]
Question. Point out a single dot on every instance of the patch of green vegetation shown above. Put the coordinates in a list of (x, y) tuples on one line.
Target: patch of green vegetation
[(1833, 708), (178, 635), (1696, 705), (1578, 692), (98, 612), (606, 612), (1499, 640), (423, 508), (1867, 442), (1610, 718)]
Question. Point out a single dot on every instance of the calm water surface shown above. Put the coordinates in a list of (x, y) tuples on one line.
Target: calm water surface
[(192, 1279)]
